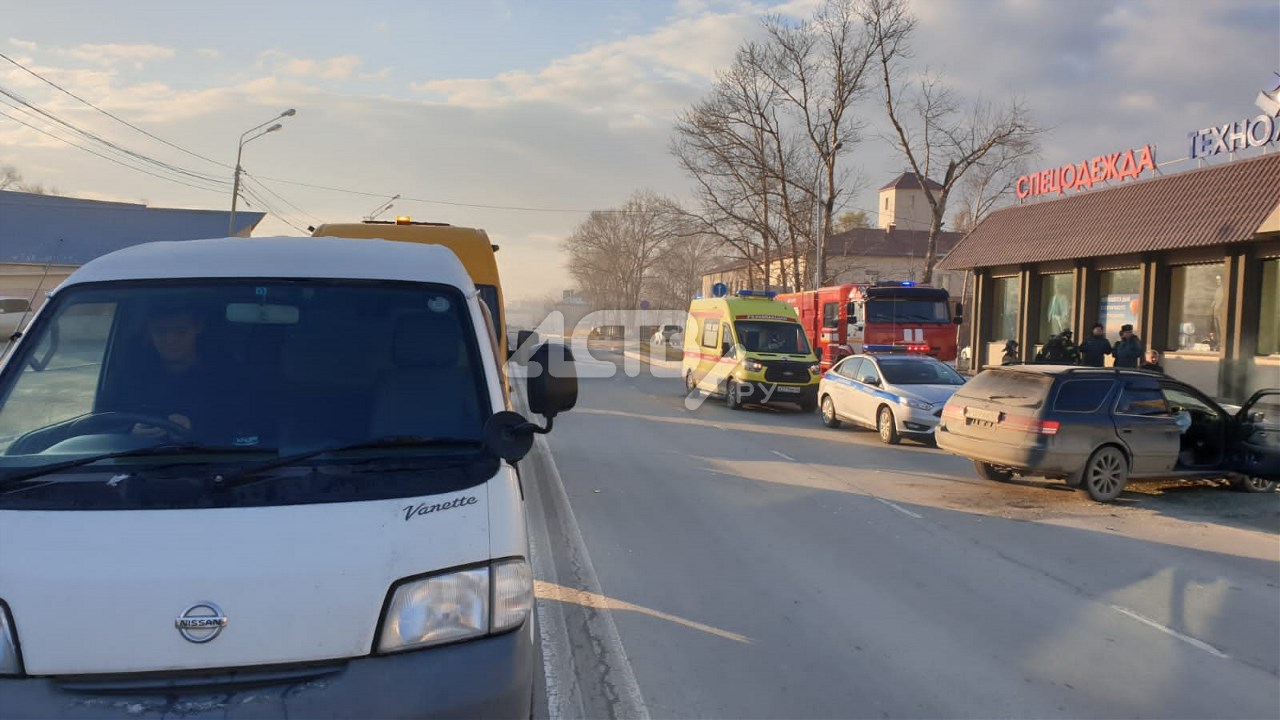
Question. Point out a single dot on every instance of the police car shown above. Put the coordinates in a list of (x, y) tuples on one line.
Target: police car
[(897, 394)]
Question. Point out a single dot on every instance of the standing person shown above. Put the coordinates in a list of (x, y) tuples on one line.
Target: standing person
[(1070, 351), (1128, 349), (1010, 356), (1096, 347), (1152, 362)]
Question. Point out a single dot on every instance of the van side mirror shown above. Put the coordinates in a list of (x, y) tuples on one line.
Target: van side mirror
[(525, 340), (508, 435), (553, 385)]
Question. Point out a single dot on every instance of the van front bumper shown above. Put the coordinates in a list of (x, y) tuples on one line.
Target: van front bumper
[(486, 678), (758, 392)]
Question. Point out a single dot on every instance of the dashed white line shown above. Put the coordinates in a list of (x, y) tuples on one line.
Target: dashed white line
[(1171, 632), (784, 456), (900, 509)]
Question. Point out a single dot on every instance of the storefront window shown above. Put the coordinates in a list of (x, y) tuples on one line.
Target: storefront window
[(1196, 307), (1119, 299), (1269, 319), (1055, 304), (1004, 318)]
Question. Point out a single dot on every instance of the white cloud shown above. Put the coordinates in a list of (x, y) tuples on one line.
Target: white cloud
[(637, 81), (23, 44), (112, 53), (211, 53)]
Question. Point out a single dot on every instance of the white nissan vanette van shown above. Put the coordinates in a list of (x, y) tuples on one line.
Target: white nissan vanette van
[(269, 477)]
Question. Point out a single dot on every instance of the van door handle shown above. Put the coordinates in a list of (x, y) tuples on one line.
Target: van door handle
[(1126, 431)]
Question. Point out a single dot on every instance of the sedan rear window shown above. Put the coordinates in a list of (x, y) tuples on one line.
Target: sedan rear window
[(1020, 388), (1084, 396)]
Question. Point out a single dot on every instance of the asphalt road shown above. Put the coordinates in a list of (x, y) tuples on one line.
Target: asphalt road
[(752, 563)]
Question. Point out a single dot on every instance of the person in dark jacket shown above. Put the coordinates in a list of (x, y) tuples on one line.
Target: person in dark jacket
[(1010, 356), (1128, 349), (1152, 362), (1095, 348)]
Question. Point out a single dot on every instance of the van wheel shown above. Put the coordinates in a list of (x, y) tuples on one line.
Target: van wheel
[(1250, 484), (888, 429), (690, 387), (1105, 474), (731, 395), (829, 413), (987, 471), (808, 405)]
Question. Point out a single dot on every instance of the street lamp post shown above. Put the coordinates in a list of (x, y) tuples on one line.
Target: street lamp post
[(245, 139)]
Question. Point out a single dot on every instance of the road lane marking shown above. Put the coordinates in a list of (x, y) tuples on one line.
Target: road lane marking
[(628, 701), (784, 456), (900, 509), (1173, 633)]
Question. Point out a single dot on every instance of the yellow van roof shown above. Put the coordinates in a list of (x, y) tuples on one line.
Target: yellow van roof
[(471, 245)]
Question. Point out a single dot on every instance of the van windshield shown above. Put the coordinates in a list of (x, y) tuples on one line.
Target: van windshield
[(242, 371), (769, 336)]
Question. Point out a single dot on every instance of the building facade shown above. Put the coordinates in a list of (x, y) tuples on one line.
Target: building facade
[(902, 204), (1191, 260), (44, 238)]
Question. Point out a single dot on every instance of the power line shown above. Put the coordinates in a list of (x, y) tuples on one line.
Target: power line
[(29, 107), (106, 157), (37, 75), (278, 196)]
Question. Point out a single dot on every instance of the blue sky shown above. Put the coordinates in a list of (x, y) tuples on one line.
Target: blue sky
[(559, 105)]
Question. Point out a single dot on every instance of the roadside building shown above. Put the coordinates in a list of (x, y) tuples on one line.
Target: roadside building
[(44, 238), (1191, 260), (893, 250)]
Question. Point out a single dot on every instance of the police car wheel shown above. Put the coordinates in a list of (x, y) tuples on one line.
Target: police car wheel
[(887, 427), (829, 413)]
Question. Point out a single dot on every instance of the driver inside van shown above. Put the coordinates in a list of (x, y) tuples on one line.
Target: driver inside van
[(177, 379)]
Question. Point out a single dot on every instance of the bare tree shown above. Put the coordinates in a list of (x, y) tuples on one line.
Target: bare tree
[(990, 184), (820, 69), (9, 176), (933, 128), (677, 275), (613, 252)]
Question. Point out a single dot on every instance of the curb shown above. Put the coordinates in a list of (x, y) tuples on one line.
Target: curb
[(665, 364)]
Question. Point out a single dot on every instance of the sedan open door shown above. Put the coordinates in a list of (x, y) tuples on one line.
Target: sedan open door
[(1255, 452)]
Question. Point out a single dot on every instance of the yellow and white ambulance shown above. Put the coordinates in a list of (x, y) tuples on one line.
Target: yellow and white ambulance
[(749, 349)]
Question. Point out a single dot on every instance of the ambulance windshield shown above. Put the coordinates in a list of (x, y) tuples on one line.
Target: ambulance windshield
[(772, 337)]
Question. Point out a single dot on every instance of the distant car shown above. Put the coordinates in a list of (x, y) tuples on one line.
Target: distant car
[(12, 312), (897, 395), (669, 335), (1096, 428)]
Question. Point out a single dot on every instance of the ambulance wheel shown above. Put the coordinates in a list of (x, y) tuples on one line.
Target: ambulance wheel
[(829, 413), (690, 387), (887, 427), (808, 405), (731, 397)]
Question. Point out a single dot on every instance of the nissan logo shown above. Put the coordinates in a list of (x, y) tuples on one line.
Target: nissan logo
[(201, 622)]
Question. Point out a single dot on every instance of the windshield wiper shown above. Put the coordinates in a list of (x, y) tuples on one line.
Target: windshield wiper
[(21, 477), (244, 476)]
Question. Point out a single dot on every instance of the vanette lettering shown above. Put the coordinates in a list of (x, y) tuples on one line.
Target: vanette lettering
[(412, 511)]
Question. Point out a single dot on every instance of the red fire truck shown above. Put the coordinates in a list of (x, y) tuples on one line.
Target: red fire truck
[(882, 316)]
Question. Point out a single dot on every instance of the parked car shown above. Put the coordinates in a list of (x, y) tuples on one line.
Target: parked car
[(669, 335), (897, 395), (1097, 428), (13, 310)]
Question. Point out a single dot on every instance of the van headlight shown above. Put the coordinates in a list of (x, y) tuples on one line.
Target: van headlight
[(815, 369), (917, 404), (752, 365), (10, 662), (459, 605)]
